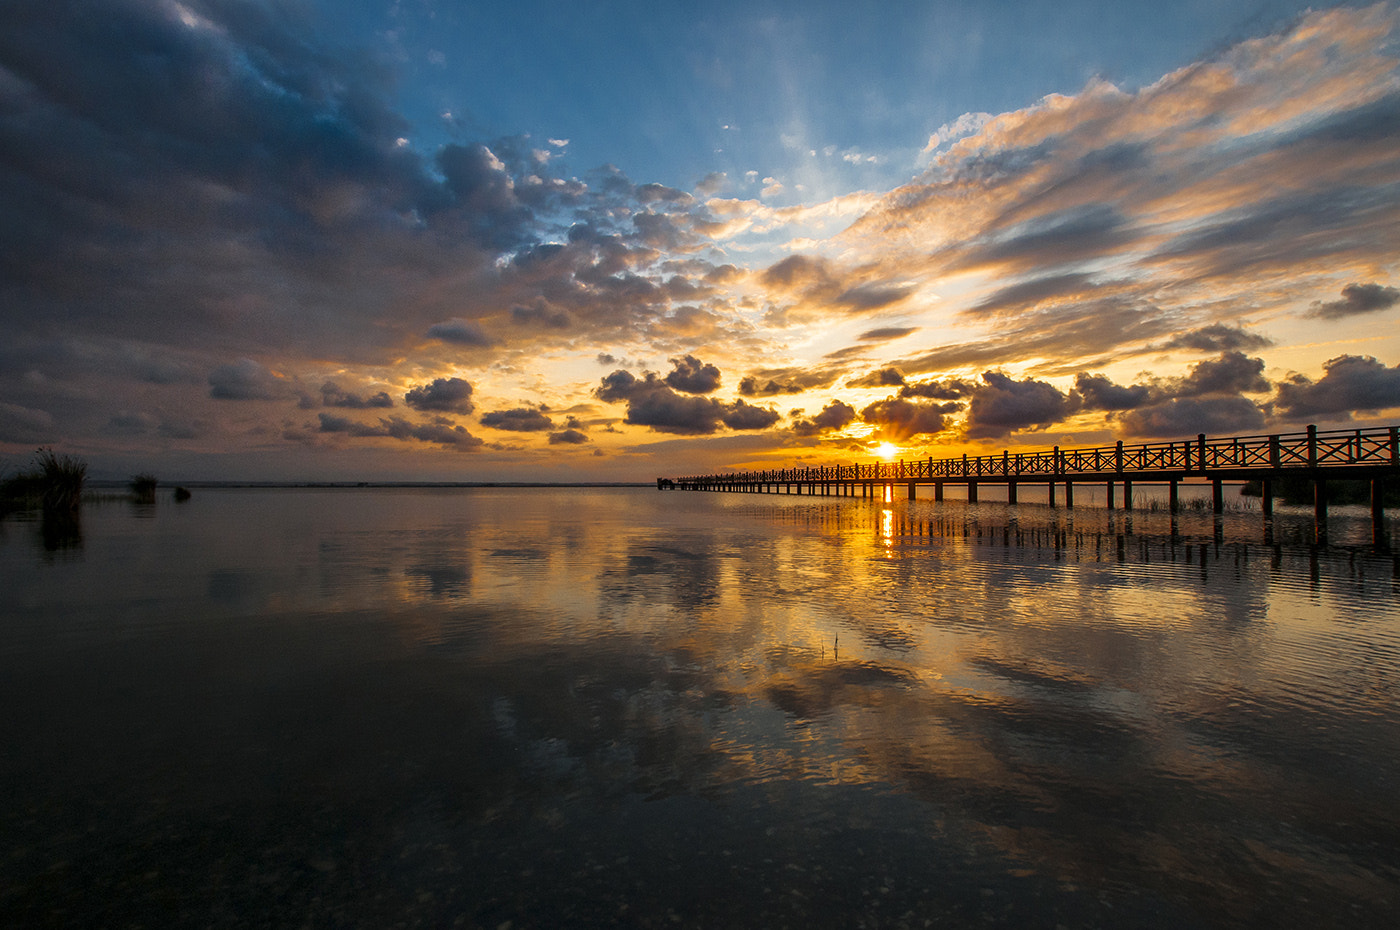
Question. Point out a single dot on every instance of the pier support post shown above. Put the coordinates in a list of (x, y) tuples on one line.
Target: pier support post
[(1320, 499), (1127, 495), (1378, 504), (911, 490), (1011, 492), (972, 492), (1069, 494), (938, 491), (1173, 497), (1266, 496), (1217, 496), (1109, 505), (1051, 490)]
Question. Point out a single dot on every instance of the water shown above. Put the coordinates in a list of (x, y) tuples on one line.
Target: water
[(542, 708)]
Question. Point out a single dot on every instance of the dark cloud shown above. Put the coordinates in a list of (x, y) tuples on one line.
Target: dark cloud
[(900, 419), (245, 379), (886, 333), (662, 231), (1218, 337), (692, 376), (132, 423), (1091, 330), (541, 313), (1001, 406), (621, 385), (871, 296), (712, 183), (834, 416), (447, 395), (1350, 384), (25, 424), (938, 390), (1187, 416), (775, 381), (651, 402), (440, 431), (798, 272), (460, 332), (1098, 392), (333, 396), (1231, 373), (1028, 294), (484, 196), (665, 411), (1300, 226), (653, 193), (1067, 235), (571, 437), (1357, 299), (740, 415), (179, 429), (519, 419), (882, 377)]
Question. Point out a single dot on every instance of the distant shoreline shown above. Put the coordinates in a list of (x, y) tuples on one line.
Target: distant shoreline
[(106, 484)]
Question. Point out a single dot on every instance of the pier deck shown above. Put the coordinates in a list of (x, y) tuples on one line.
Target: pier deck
[(1317, 456)]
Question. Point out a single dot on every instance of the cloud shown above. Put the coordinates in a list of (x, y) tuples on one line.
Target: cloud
[(571, 437), (898, 419), (711, 184), (245, 379), (1350, 384), (25, 424), (1231, 373), (1098, 392), (881, 377), (653, 403), (741, 415), (1357, 299), (652, 193), (834, 416), (518, 419), (541, 313), (938, 390), (132, 423), (460, 332), (440, 431), (1218, 337), (448, 395), (1002, 405), (333, 396), (691, 376), (771, 382), (1187, 416), (887, 333)]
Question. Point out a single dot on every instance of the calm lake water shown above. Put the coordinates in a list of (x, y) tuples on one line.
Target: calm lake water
[(564, 708)]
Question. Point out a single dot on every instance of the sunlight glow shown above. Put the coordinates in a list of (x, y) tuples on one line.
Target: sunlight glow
[(887, 450)]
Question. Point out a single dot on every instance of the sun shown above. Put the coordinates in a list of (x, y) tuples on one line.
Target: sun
[(887, 450)]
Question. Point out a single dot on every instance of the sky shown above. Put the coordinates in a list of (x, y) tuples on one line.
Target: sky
[(413, 240)]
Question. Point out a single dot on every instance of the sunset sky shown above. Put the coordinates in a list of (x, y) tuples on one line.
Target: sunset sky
[(449, 241)]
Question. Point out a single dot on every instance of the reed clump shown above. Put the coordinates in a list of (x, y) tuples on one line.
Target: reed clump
[(54, 483), (143, 488)]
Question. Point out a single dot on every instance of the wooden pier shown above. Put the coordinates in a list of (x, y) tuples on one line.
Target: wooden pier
[(1316, 456)]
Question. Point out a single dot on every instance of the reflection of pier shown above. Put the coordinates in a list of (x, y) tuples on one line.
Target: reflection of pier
[(1315, 456)]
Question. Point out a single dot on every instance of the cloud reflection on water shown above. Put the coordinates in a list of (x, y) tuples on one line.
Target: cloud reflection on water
[(1050, 701)]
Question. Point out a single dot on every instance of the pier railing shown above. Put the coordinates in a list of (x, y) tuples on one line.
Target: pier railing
[(1375, 449)]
